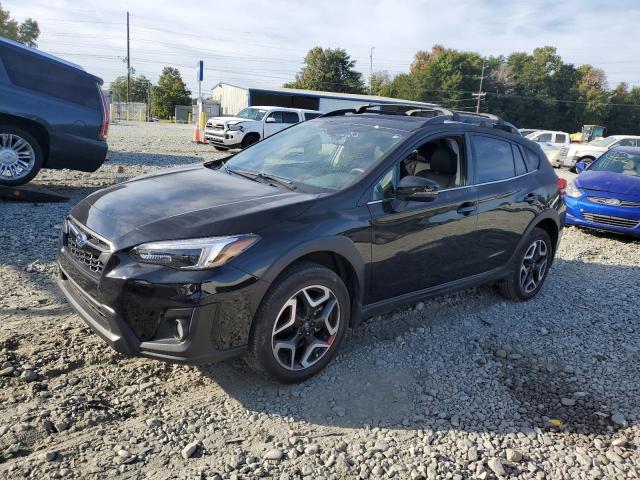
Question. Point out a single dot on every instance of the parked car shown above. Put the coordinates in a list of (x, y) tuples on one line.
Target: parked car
[(276, 251), (550, 141), (52, 115), (252, 124), (588, 152), (606, 193)]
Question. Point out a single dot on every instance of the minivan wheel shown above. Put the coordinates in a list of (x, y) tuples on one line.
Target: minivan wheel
[(300, 323), (529, 268), (20, 156)]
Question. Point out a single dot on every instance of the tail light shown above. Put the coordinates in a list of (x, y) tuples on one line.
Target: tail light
[(104, 126), (561, 183)]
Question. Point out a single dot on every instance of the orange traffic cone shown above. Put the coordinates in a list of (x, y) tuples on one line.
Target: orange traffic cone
[(204, 139), (196, 135)]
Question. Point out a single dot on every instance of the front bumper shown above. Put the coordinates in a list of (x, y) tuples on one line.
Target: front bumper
[(583, 213), (136, 309), (224, 138)]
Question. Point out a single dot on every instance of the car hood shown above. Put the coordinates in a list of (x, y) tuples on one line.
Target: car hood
[(189, 202), (228, 120), (609, 182)]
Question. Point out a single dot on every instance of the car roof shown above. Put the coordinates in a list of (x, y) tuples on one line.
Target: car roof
[(632, 150), (550, 131), (396, 122), (623, 136)]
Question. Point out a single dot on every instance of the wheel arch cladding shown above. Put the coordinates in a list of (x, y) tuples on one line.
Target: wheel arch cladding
[(34, 128), (551, 227), (338, 254)]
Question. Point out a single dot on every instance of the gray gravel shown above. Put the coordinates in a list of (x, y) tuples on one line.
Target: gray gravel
[(462, 386)]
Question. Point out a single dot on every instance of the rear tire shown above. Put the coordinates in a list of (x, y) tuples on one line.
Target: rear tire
[(300, 324), (529, 268), (249, 140), (21, 156)]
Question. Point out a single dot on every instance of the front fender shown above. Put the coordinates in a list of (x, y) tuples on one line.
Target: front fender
[(339, 245)]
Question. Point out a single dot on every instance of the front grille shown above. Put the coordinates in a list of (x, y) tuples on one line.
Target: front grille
[(91, 254), (85, 256), (617, 203), (563, 152), (613, 221)]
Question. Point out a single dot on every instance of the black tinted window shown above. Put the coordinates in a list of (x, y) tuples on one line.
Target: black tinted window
[(531, 159), (49, 77), (290, 117), (517, 156), (311, 116), (494, 159)]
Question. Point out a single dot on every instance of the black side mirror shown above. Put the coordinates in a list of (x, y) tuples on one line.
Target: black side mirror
[(417, 189)]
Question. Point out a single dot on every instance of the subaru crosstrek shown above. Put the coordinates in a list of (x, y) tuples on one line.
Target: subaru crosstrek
[(276, 251)]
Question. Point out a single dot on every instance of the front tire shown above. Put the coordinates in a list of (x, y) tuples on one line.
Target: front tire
[(529, 268), (300, 324), (20, 156)]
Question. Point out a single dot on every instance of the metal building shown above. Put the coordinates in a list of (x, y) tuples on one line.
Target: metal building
[(233, 98)]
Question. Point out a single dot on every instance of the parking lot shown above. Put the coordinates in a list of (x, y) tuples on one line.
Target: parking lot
[(462, 386)]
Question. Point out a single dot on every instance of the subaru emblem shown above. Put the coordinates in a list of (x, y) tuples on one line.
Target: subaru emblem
[(81, 239)]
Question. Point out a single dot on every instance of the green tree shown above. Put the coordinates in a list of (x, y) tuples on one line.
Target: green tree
[(378, 81), (26, 32), (138, 91), (170, 91), (330, 70)]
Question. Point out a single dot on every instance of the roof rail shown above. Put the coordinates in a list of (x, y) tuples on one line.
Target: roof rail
[(433, 114)]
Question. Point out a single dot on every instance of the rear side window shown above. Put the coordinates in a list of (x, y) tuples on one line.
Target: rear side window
[(51, 78), (494, 159), (531, 159), (311, 116), (561, 138), (519, 161), (290, 117)]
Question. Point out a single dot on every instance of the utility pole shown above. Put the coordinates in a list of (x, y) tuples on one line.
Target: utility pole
[(480, 95), (128, 63), (371, 71)]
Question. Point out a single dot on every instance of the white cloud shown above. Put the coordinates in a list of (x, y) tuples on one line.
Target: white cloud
[(256, 42)]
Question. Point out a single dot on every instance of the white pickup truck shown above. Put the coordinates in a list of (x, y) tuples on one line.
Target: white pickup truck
[(252, 124)]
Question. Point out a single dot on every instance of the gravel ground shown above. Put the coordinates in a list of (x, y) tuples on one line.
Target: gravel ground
[(462, 386)]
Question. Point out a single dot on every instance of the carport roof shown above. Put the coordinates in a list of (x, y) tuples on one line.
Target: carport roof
[(323, 94)]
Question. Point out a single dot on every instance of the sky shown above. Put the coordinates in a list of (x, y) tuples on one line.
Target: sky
[(263, 43)]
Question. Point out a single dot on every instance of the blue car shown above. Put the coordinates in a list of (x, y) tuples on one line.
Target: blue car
[(606, 194)]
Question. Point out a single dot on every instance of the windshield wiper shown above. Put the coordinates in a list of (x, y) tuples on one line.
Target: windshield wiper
[(286, 183), (266, 177)]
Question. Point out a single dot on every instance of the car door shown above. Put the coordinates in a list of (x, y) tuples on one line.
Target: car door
[(273, 123), (417, 245), (509, 197)]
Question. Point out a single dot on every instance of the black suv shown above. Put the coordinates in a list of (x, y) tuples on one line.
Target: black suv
[(275, 251), (52, 115)]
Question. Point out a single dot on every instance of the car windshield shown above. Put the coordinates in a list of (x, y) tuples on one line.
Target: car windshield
[(252, 113), (603, 142), (324, 154), (618, 162)]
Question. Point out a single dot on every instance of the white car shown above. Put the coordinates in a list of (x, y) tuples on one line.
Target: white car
[(551, 142), (252, 124), (588, 152)]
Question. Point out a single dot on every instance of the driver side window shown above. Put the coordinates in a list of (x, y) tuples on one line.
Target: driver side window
[(274, 117), (440, 160)]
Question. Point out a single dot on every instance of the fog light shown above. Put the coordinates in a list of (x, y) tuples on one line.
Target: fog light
[(182, 329)]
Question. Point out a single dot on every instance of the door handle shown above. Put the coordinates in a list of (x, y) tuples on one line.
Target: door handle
[(530, 197), (467, 208)]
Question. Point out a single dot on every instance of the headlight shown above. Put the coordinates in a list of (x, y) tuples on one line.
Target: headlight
[(193, 254), (234, 126), (572, 190)]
